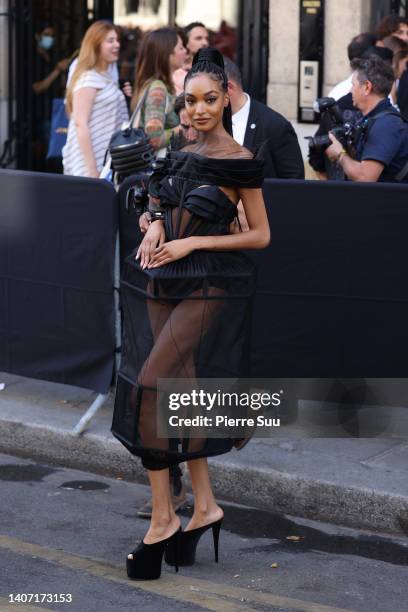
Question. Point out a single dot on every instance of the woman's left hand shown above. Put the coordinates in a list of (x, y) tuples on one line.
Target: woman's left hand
[(170, 251), (334, 150)]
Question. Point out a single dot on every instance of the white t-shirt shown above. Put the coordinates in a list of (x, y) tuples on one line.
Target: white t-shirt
[(240, 120), (341, 89), (112, 71), (109, 111)]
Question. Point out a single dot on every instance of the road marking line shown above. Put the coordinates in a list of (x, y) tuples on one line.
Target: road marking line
[(202, 593)]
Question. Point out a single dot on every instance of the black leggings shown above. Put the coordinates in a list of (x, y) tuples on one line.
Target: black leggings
[(151, 464)]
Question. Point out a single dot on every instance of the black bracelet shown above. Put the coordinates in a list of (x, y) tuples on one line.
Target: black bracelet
[(156, 215)]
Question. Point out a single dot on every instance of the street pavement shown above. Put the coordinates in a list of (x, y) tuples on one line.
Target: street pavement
[(360, 483), (67, 532)]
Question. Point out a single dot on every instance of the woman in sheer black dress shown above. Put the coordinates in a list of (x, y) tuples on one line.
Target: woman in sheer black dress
[(189, 293)]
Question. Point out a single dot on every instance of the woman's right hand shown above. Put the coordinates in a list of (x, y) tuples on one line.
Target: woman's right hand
[(155, 236), (63, 64)]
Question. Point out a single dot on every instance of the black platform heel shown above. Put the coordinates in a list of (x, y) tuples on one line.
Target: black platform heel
[(188, 541), (146, 559)]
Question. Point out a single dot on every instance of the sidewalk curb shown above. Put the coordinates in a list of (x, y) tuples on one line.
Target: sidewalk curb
[(355, 507)]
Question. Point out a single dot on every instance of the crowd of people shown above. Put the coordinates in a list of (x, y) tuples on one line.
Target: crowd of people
[(98, 103), (372, 106), (95, 101)]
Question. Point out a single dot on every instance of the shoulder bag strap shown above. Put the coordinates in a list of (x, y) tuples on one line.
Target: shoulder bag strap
[(137, 112)]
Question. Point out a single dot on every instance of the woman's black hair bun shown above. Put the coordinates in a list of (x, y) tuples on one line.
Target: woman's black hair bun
[(208, 54)]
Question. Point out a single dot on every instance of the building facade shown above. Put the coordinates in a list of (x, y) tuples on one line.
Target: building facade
[(269, 39)]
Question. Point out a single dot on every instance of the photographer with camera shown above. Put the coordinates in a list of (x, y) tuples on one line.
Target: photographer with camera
[(343, 112), (340, 118), (380, 137)]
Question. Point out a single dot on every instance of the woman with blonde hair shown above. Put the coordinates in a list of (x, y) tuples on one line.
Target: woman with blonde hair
[(162, 52), (95, 104)]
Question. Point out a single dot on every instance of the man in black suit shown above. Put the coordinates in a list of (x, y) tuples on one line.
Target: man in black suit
[(254, 123)]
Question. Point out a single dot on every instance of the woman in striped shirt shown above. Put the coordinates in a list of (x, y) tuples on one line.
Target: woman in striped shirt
[(162, 53), (95, 104)]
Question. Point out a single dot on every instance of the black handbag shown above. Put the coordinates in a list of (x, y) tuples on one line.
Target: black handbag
[(129, 148)]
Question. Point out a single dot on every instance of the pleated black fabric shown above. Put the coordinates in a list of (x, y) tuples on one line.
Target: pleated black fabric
[(225, 172), (190, 318)]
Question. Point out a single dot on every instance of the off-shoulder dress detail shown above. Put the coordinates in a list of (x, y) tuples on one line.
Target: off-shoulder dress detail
[(190, 318)]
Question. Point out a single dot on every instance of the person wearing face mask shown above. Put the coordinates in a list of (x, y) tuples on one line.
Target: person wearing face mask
[(94, 102), (49, 83), (45, 42)]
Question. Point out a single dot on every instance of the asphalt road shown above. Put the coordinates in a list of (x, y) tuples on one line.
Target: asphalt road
[(67, 532)]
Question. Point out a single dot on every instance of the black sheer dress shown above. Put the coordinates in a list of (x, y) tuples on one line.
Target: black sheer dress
[(190, 318)]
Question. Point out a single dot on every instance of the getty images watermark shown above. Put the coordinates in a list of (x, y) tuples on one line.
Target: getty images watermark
[(216, 408), (280, 408)]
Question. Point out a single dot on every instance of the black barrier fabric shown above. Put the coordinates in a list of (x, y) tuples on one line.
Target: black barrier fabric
[(57, 241), (333, 295)]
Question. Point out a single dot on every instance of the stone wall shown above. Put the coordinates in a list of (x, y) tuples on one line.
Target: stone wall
[(343, 20), (283, 56)]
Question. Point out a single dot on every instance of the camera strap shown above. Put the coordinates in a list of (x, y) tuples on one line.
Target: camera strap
[(400, 176), (402, 173), (371, 120)]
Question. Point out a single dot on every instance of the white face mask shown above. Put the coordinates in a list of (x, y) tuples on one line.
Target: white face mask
[(46, 42)]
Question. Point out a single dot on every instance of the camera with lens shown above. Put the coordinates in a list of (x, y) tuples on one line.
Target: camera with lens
[(346, 132), (147, 184)]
